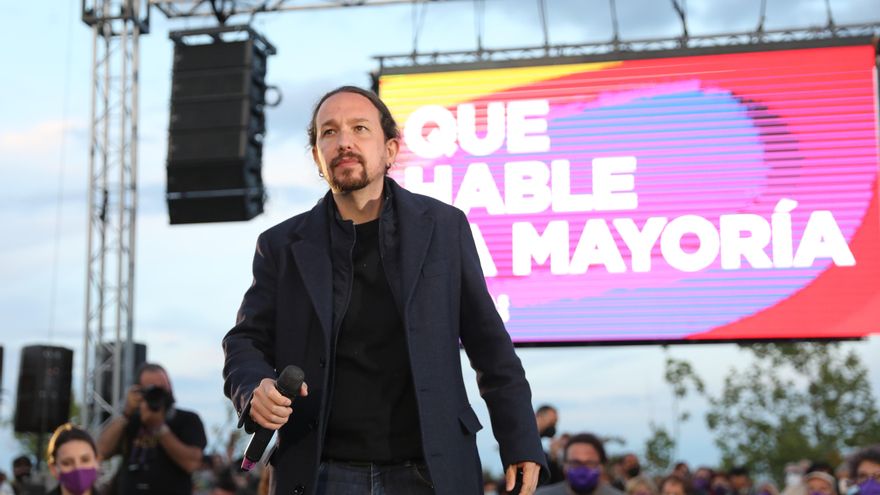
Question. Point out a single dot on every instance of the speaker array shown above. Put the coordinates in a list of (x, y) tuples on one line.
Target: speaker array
[(42, 402), (216, 130)]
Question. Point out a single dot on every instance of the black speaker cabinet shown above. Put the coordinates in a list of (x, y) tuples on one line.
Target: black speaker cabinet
[(42, 402)]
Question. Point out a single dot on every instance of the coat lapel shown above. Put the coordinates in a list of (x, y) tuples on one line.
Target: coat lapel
[(416, 229), (312, 255)]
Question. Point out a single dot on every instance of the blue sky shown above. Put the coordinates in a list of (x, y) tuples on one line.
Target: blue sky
[(190, 279)]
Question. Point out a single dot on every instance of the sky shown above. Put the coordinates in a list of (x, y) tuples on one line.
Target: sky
[(189, 280)]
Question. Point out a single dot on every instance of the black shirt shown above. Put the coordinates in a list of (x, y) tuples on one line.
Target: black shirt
[(146, 468), (373, 411)]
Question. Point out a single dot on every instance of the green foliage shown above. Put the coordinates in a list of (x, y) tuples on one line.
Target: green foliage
[(795, 401), (681, 377), (659, 450)]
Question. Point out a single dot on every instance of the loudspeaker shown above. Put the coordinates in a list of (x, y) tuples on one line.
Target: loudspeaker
[(215, 134), (104, 353), (42, 402), (215, 206)]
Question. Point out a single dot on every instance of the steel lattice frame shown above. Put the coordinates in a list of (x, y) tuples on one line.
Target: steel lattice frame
[(116, 27), (615, 49), (203, 8)]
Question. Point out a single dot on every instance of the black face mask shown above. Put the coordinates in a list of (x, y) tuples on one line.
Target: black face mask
[(633, 471), (549, 432)]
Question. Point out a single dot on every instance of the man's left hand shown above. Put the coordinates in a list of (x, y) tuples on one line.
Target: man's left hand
[(150, 418), (531, 471)]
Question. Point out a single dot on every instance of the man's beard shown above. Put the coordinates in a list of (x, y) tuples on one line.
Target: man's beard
[(349, 179)]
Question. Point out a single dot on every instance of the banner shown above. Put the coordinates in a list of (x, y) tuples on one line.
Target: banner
[(711, 197)]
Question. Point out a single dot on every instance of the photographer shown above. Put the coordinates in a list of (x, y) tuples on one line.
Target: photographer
[(160, 445)]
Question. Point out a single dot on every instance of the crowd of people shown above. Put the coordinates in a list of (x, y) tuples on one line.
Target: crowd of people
[(578, 464)]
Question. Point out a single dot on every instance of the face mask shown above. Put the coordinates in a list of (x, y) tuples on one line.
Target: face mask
[(633, 471), (701, 484), (582, 480), (869, 487), (719, 490), (549, 432), (78, 481), (792, 479)]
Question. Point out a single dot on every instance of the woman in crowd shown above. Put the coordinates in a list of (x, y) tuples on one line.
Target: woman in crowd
[(73, 461), (640, 485)]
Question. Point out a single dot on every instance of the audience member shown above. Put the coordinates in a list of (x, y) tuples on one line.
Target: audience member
[(674, 485), (583, 467), (161, 445), (682, 470), (73, 460), (720, 484), (820, 483), (865, 470), (546, 417), (702, 480), (23, 483), (628, 468), (640, 485), (740, 481), (5, 485)]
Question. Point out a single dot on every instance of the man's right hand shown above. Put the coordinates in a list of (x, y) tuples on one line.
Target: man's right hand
[(269, 408), (133, 400)]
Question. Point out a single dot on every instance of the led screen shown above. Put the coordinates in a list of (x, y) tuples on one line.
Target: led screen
[(705, 197)]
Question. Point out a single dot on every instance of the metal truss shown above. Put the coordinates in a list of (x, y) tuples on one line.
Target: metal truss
[(116, 26), (229, 8), (415, 62)]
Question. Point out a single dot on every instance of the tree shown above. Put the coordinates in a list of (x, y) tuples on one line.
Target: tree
[(659, 450), (661, 446), (794, 401)]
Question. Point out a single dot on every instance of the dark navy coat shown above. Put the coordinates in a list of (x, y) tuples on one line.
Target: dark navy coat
[(285, 318)]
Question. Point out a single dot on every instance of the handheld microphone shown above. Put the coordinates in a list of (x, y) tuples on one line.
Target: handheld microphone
[(288, 383)]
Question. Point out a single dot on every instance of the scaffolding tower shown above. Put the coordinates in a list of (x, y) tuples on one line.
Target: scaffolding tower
[(112, 197)]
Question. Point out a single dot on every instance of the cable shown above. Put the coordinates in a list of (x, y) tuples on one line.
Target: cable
[(830, 15), (59, 202), (615, 28), (479, 21), (762, 17), (418, 22), (680, 9), (542, 10)]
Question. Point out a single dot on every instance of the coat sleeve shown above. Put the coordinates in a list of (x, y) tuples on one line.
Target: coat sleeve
[(249, 345), (500, 375)]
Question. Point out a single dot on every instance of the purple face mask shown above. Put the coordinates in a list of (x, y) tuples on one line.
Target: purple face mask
[(701, 484), (582, 479), (78, 481), (869, 487)]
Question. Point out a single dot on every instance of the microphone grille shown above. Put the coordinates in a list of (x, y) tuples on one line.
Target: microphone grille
[(290, 380)]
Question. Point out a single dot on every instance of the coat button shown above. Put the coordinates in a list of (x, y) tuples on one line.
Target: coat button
[(313, 424), (299, 490), (322, 362)]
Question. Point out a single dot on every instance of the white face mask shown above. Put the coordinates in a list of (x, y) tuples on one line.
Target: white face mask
[(792, 479)]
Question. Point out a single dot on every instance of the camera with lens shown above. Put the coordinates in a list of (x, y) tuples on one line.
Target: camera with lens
[(157, 398)]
